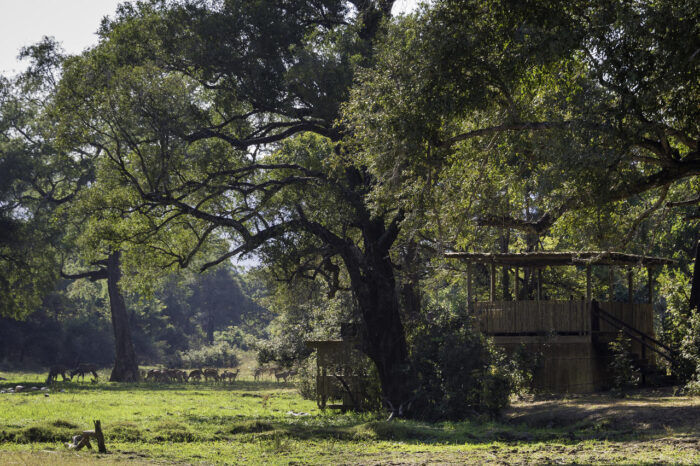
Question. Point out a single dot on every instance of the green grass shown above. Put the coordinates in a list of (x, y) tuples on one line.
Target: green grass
[(250, 423)]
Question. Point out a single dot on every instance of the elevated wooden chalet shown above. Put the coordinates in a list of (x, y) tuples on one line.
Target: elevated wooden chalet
[(571, 335)]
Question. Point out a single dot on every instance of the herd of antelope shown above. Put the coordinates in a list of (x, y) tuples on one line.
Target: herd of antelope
[(213, 375), (81, 370), (171, 375), (178, 375), (276, 371)]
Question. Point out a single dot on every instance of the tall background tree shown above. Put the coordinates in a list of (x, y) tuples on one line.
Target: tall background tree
[(239, 136)]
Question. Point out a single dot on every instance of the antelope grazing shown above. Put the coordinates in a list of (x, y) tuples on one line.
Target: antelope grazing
[(285, 375), (83, 369), (176, 374), (260, 371), (230, 375), (211, 373), (195, 375), (157, 375), (55, 371), (281, 375)]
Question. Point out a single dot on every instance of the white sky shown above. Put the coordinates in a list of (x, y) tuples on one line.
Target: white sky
[(72, 22)]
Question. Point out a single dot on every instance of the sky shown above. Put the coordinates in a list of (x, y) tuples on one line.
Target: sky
[(72, 22)]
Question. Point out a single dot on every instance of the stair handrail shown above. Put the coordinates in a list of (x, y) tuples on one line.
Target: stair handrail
[(625, 324), (628, 329)]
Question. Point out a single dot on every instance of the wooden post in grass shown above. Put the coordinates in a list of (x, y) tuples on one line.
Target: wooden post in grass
[(100, 437)]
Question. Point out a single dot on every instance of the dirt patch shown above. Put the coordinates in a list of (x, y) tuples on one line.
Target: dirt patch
[(643, 411)]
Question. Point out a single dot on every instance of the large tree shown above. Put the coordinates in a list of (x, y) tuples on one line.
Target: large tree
[(523, 113), (44, 190), (225, 112)]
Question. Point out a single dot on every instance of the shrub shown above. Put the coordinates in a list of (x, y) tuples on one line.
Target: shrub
[(687, 367), (680, 326), (458, 373), (625, 374), (217, 355), (235, 337), (306, 378), (520, 366)]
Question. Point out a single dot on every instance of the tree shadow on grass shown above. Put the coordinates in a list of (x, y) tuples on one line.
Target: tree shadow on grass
[(243, 385)]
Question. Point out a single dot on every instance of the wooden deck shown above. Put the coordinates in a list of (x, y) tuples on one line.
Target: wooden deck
[(565, 335), (572, 318)]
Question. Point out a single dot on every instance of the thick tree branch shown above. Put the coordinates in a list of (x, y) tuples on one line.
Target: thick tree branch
[(521, 126), (254, 241), (691, 201), (654, 207), (92, 275), (661, 179)]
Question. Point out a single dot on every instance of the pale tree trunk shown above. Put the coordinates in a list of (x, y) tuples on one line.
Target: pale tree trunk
[(126, 367)]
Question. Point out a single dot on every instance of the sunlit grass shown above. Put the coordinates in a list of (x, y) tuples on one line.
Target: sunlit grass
[(269, 423)]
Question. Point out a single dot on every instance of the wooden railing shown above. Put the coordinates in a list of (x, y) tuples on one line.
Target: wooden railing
[(644, 339), (559, 317)]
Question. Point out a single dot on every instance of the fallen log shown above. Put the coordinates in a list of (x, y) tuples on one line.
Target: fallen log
[(83, 440)]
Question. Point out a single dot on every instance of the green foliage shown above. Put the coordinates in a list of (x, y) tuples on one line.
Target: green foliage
[(74, 322), (680, 325), (217, 355), (625, 375), (688, 369), (457, 372), (304, 310), (306, 378)]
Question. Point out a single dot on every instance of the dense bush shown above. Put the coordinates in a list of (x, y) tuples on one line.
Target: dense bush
[(306, 378), (217, 355), (681, 327), (457, 372), (235, 337), (688, 366), (625, 374)]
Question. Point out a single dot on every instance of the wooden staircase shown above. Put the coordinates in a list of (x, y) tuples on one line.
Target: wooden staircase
[(652, 375)]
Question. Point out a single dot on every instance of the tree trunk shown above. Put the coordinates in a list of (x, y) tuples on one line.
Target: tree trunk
[(126, 368), (384, 338), (695, 287)]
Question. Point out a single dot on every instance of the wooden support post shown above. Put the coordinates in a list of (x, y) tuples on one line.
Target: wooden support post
[(470, 291), (504, 282), (611, 285), (650, 278), (515, 280), (630, 285), (492, 288), (589, 289), (539, 284)]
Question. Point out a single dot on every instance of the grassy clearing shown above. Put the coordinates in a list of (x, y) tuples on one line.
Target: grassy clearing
[(268, 423)]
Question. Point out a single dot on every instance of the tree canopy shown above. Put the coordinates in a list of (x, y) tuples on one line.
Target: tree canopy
[(339, 144)]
